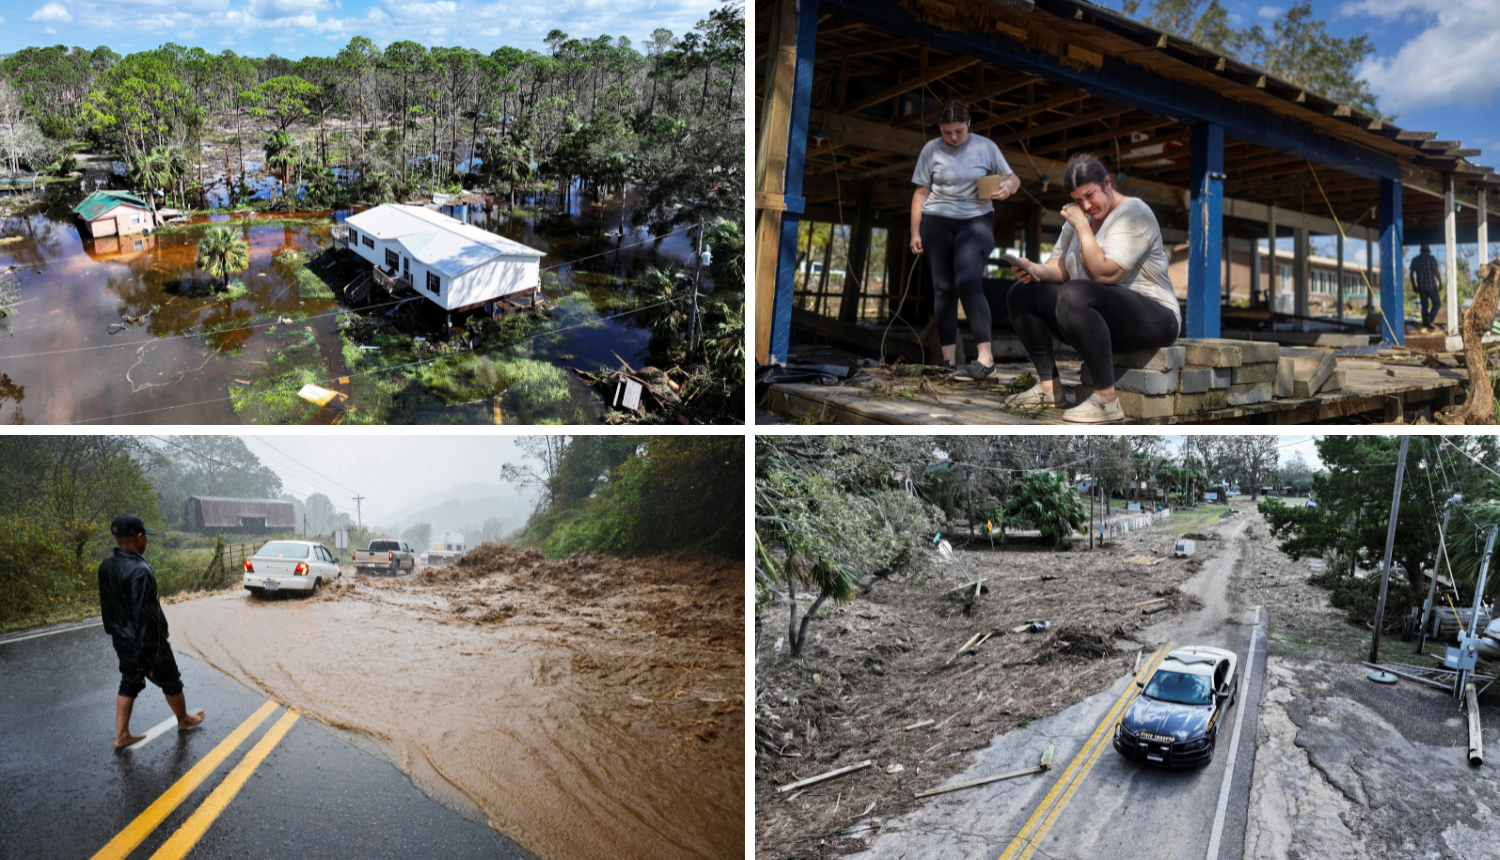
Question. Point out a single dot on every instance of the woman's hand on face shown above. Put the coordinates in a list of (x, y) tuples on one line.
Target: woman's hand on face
[(1074, 214), (916, 243)]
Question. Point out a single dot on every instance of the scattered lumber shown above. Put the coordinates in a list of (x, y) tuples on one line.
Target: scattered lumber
[(918, 725), (1046, 764), (1476, 745), (1149, 602), (822, 776)]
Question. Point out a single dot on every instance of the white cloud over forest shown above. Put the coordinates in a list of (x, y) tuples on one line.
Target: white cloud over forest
[(1450, 60)]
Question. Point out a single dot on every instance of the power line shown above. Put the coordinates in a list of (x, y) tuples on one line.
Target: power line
[(219, 462), (291, 462)]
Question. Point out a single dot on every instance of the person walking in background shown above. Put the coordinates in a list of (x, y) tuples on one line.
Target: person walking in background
[(955, 228), (134, 620), (1425, 279)]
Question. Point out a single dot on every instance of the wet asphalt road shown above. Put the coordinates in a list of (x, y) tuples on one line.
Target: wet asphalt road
[(67, 792)]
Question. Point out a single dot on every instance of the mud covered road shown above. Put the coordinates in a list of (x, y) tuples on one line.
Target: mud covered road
[(586, 708)]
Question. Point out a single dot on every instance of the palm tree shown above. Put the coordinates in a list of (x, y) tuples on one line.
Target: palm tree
[(512, 166), (281, 155), (150, 171), (221, 252)]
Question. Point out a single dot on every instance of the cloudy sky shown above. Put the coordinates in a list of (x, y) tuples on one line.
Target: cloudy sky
[(393, 473), (296, 28)]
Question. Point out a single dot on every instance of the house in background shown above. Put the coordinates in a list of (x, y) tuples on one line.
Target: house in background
[(220, 515), (114, 213), (1323, 284), (457, 266)]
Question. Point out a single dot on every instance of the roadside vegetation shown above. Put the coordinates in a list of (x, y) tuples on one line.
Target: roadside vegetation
[(633, 495)]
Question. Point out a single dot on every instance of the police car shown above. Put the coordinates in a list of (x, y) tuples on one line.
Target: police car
[(1174, 721)]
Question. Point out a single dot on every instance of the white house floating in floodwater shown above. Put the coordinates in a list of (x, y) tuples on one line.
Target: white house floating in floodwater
[(456, 265)]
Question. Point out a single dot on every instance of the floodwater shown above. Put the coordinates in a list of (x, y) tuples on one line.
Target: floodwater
[(590, 708), (112, 330)]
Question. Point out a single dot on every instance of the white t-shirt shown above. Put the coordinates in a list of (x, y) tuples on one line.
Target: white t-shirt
[(1131, 239), (952, 172)]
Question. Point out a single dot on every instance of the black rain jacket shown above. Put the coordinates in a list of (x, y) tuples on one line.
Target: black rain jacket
[(132, 614)]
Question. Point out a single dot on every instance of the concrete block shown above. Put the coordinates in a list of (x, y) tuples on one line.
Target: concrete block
[(1195, 380), (1211, 352), (1222, 376), (1169, 358), (1360, 364), (1264, 372), (1310, 369), (1257, 351), (1400, 372), (1147, 405), (1208, 401), (1285, 374), (1250, 392), (1335, 381), (1146, 381)]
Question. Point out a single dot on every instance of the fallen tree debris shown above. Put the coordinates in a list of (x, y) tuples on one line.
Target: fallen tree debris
[(822, 776), (1045, 765)]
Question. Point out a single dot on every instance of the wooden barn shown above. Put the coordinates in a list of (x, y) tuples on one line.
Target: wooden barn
[(114, 213), (220, 515), (455, 265)]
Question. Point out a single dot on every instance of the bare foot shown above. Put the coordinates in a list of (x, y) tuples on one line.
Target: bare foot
[(191, 720), (123, 741)]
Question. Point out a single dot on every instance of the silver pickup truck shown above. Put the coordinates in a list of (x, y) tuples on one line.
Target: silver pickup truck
[(385, 556)]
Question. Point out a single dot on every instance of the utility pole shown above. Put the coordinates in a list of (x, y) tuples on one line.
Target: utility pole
[(1093, 480), (359, 516), (697, 277), (1432, 583), (1390, 544)]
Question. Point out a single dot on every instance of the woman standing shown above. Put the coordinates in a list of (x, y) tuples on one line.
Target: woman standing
[(1104, 290), (955, 227)]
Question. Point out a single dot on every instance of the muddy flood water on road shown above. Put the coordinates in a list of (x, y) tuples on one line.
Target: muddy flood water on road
[(111, 330), (589, 708)]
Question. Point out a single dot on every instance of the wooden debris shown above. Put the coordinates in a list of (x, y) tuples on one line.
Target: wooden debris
[(822, 776), (974, 642), (918, 725), (1149, 602), (1046, 764), (1152, 610), (1143, 560)]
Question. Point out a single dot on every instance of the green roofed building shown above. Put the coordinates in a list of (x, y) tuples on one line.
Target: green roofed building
[(114, 213)]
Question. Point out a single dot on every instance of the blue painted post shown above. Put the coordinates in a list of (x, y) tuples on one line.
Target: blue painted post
[(1205, 230), (1392, 265), (796, 159)]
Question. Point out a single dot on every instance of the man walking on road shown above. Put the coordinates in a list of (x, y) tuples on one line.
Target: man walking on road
[(133, 618), (1424, 277)]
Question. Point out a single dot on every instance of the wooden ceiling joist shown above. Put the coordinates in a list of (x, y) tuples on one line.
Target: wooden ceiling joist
[(934, 74)]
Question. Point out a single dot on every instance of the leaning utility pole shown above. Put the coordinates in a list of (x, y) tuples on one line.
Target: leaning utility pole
[(1427, 606), (1390, 544)]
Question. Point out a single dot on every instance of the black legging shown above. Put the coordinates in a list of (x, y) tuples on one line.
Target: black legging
[(1095, 319), (956, 249)]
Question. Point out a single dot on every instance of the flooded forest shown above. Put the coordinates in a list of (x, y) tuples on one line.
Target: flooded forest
[(240, 300)]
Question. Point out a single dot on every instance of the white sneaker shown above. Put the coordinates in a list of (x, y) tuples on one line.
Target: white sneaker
[(1095, 411), (1035, 396)]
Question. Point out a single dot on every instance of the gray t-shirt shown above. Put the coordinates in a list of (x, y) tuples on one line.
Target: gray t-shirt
[(952, 172), (1131, 239)]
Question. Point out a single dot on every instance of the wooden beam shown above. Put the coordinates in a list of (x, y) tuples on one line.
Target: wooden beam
[(1063, 124), (835, 55), (1123, 131), (970, 98), (1058, 101), (954, 65), (770, 173)]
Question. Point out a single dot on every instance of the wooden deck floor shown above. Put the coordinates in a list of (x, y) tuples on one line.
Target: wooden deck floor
[(876, 396)]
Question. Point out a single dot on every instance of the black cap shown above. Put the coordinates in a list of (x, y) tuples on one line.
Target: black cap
[(128, 525)]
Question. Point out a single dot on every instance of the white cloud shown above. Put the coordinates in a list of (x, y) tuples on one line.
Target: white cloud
[(52, 12), (49, 31), (273, 9), (1448, 63), (1270, 11)]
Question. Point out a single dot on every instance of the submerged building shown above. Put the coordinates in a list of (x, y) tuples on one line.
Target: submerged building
[(457, 266), (114, 213)]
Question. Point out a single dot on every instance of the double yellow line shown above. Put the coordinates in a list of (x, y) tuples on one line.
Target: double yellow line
[(1041, 821), (197, 824)]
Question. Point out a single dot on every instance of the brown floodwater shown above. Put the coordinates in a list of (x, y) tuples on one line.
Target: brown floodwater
[(110, 330), (589, 708)]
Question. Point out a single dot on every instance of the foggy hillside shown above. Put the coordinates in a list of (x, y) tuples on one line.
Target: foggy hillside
[(468, 504)]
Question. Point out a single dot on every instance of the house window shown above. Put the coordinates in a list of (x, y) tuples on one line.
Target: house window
[(135, 219), (434, 284), (390, 259), (353, 235), (140, 245), (369, 243), (406, 266)]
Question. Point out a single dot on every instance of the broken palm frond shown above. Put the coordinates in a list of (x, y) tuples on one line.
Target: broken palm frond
[(829, 775), (1046, 764)]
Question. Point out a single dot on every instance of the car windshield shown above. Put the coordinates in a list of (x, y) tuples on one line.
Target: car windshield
[(284, 549), (1180, 687)]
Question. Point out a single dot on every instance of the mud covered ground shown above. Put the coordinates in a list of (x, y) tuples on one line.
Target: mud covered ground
[(887, 661), (587, 708), (1346, 768)]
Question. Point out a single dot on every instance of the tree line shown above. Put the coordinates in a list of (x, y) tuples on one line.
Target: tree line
[(379, 124), (633, 495)]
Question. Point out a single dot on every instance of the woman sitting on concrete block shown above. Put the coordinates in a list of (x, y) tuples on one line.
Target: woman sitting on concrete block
[(1104, 290)]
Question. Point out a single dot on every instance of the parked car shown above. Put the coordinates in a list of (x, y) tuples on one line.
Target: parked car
[(300, 566), (385, 556), (1174, 721)]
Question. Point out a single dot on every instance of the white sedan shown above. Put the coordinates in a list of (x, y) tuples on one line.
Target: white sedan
[(290, 565)]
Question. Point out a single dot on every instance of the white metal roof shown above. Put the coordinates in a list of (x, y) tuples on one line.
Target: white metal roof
[(441, 243)]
